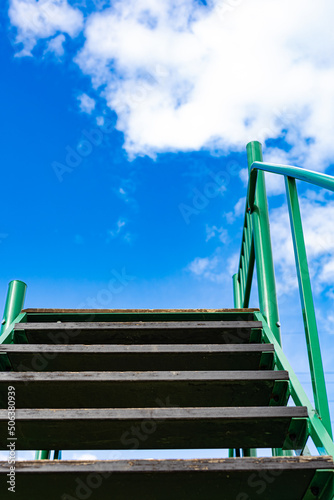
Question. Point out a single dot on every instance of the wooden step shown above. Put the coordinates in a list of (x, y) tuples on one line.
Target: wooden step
[(44, 357), (145, 389), (89, 315), (158, 428), (278, 478), (139, 332)]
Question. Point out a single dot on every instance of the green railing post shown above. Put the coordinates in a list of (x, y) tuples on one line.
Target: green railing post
[(236, 292), (305, 291), (14, 303), (262, 245)]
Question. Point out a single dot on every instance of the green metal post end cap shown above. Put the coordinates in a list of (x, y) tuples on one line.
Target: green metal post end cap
[(254, 152)]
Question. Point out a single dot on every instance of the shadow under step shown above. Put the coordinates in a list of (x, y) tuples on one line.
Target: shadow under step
[(293, 478), (41, 357), (158, 428), (145, 389), (182, 332)]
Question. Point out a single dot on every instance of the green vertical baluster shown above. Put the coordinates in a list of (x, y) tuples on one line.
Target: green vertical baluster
[(310, 323), (236, 292), (243, 280)]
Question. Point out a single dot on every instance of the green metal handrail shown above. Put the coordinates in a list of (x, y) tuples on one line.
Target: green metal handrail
[(256, 249), (322, 180)]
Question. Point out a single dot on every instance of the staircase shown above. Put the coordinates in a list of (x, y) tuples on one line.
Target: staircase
[(154, 379), (171, 379)]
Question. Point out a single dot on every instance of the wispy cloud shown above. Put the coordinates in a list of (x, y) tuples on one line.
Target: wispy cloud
[(87, 104), (43, 19), (120, 232), (215, 268), (55, 45), (120, 225), (125, 189), (214, 231), (238, 210)]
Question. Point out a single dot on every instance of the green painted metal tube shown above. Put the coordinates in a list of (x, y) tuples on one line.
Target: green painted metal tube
[(316, 178), (262, 244), (14, 302), (241, 287), (236, 292), (42, 455), (244, 278), (305, 290), (249, 275), (246, 244)]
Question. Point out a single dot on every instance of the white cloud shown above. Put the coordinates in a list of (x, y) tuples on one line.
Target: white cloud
[(120, 224), (184, 76), (239, 209), (199, 266), (100, 121), (43, 19), (213, 231), (87, 104), (192, 80), (55, 45), (119, 231), (215, 268)]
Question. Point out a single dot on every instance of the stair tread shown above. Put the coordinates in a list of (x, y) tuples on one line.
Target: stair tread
[(147, 311), (159, 428), (116, 348), (74, 357), (139, 332), (170, 465), (129, 325), (169, 376), (287, 477), (161, 413), (142, 389)]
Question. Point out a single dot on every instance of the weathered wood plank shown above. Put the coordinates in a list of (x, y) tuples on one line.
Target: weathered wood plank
[(142, 325), (127, 311), (137, 332), (157, 428), (42, 315), (76, 357), (142, 389), (242, 479), (204, 465)]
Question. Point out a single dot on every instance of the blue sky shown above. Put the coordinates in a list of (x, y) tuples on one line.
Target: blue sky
[(123, 150)]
